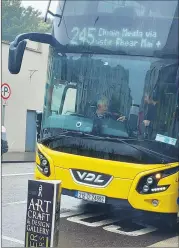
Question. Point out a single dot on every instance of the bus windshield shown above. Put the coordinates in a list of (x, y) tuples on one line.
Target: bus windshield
[(118, 73), (127, 27), (113, 95)]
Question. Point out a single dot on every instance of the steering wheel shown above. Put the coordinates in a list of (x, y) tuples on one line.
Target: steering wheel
[(74, 114)]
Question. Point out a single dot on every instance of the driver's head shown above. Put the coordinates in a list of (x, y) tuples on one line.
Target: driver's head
[(102, 105), (147, 98)]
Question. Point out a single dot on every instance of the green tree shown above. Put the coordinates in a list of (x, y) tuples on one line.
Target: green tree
[(17, 19)]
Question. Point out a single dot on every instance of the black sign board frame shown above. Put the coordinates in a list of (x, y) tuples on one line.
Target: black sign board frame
[(43, 213)]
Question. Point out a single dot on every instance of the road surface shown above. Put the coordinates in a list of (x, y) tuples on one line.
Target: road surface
[(82, 224)]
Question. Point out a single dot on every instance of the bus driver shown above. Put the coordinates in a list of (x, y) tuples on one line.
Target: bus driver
[(102, 111)]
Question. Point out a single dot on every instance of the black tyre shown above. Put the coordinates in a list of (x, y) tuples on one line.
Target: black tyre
[(172, 221)]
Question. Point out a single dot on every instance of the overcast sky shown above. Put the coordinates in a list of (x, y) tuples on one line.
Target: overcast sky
[(40, 5)]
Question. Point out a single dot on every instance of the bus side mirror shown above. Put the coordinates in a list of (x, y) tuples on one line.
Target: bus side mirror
[(17, 48), (15, 56), (38, 123)]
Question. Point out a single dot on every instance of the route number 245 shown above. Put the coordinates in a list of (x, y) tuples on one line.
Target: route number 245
[(84, 35)]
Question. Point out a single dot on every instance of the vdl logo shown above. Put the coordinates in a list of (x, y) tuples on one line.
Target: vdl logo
[(91, 178)]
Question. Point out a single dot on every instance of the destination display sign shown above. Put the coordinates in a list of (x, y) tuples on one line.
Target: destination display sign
[(123, 37), (135, 35)]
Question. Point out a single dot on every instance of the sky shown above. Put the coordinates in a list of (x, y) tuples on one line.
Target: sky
[(40, 5)]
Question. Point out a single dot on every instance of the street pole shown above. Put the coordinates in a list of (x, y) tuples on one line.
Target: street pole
[(3, 114)]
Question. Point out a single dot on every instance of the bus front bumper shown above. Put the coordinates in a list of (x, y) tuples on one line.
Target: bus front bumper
[(168, 219), (127, 197)]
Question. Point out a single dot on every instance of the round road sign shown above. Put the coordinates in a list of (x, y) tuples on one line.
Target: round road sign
[(5, 91)]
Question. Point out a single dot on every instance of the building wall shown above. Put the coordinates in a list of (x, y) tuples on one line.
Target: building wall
[(26, 93)]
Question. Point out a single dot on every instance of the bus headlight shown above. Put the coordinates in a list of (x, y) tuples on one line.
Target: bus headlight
[(146, 188), (149, 184), (44, 162), (44, 166), (150, 180)]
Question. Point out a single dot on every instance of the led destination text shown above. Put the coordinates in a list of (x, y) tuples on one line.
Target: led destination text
[(115, 38)]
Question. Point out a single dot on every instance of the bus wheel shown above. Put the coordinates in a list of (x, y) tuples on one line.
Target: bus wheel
[(172, 221)]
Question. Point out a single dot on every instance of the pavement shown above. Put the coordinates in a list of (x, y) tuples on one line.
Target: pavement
[(82, 224), (172, 242), (18, 157)]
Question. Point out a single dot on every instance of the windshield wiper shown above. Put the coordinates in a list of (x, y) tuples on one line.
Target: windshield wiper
[(165, 54), (65, 133), (95, 49), (149, 151), (123, 140), (99, 49)]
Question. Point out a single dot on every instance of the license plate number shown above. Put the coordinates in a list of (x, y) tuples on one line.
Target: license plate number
[(90, 197)]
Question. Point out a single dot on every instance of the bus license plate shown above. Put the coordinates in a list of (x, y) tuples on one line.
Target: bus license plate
[(90, 197)]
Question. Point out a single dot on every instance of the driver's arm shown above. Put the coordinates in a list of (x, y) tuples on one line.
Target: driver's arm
[(119, 117)]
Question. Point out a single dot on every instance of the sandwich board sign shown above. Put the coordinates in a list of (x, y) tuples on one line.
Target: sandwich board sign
[(43, 213)]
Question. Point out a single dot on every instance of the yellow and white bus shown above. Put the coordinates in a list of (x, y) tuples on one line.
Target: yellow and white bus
[(109, 127)]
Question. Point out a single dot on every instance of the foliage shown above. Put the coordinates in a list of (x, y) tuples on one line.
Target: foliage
[(16, 20)]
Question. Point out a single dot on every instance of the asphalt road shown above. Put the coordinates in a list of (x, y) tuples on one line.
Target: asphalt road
[(82, 224)]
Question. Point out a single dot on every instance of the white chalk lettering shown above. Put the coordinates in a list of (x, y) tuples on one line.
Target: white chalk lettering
[(40, 191), (33, 237), (40, 223), (38, 230), (47, 216), (28, 221), (38, 216), (47, 205), (28, 213), (34, 222), (39, 205), (32, 204), (33, 244), (34, 214), (41, 244)]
